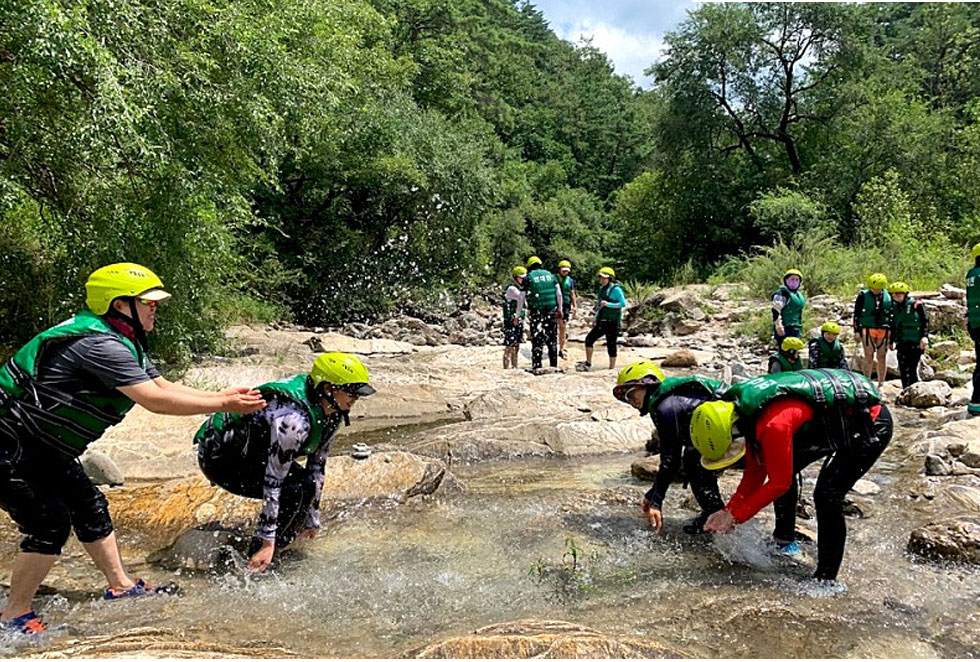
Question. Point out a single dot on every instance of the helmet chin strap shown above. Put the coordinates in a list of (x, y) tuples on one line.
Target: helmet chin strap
[(327, 394), (133, 320)]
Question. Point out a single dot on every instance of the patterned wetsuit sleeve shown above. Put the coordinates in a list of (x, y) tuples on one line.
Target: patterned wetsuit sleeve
[(288, 430), (316, 464), (814, 354)]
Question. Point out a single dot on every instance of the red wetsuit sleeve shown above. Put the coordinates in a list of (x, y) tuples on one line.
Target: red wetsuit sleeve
[(769, 471)]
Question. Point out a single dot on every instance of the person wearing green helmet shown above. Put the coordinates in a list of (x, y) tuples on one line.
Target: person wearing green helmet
[(788, 356), (255, 455), (545, 303), (610, 303), (973, 324), (59, 393), (780, 424), (788, 303), (513, 305), (568, 302), (873, 325), (826, 350), (671, 401), (910, 332)]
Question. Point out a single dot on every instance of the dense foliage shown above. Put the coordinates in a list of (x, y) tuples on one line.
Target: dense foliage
[(327, 161)]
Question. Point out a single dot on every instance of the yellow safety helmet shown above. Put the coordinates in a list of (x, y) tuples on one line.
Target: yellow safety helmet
[(792, 272), (641, 373), (342, 370), (564, 264), (608, 272), (533, 260), (791, 343), (898, 286), (877, 281), (830, 327), (518, 271), (976, 251), (123, 279), (711, 434)]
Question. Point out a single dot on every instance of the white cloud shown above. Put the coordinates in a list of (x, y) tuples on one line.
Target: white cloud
[(630, 52)]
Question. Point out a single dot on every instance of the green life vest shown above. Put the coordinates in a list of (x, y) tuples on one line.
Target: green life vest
[(298, 390), (973, 297), (510, 306), (605, 294), (792, 312), (784, 363), (566, 290), (828, 356), (541, 290), (66, 421), (907, 320), (694, 384), (824, 389), (875, 311)]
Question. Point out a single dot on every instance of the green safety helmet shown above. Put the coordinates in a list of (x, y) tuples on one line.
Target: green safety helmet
[(564, 264), (641, 373), (343, 371), (792, 272), (976, 251), (899, 286), (791, 343), (877, 281), (830, 327), (608, 272), (711, 434), (533, 260), (518, 271), (123, 279)]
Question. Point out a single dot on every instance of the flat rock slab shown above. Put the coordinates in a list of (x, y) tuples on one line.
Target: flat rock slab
[(542, 640), (956, 539), (155, 643)]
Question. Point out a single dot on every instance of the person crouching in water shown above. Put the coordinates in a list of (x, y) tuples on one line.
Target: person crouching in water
[(782, 423), (671, 401), (873, 323), (910, 332), (59, 393), (787, 358), (826, 350), (514, 316), (255, 456)]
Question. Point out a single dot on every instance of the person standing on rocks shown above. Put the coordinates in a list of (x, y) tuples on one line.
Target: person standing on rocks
[(780, 424), (910, 332), (59, 393), (826, 350), (973, 324), (608, 316), (255, 456), (568, 302), (545, 302), (671, 401), (873, 324), (513, 302), (787, 307), (787, 358)]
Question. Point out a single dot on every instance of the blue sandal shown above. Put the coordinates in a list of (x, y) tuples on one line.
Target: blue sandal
[(140, 589)]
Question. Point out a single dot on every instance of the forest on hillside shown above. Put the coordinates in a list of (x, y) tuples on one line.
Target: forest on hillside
[(323, 161)]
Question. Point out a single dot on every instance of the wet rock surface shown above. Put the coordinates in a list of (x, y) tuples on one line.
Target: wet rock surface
[(156, 643), (956, 539), (926, 394)]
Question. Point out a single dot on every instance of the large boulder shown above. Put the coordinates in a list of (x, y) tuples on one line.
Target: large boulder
[(682, 358), (956, 539), (952, 292), (926, 394), (542, 640), (945, 315)]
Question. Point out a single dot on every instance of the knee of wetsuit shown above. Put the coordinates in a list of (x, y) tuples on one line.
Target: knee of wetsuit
[(91, 519), (48, 532)]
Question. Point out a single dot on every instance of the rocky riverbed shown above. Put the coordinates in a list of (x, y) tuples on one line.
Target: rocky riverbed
[(497, 515)]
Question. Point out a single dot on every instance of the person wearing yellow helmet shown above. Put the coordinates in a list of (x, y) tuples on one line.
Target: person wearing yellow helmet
[(256, 455), (788, 303), (544, 300), (610, 304), (910, 332), (59, 393), (973, 324), (569, 302), (513, 305), (780, 424), (788, 356), (873, 324), (826, 350), (671, 401)]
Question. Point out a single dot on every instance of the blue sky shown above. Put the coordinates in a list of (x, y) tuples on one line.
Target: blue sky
[(630, 32)]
